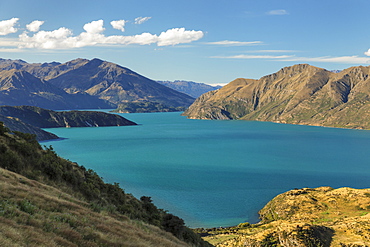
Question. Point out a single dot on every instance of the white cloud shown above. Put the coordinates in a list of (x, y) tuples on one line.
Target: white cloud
[(277, 12), (178, 35), (271, 51), (328, 59), (235, 43), (254, 57), (94, 27), (367, 53), (45, 39), (141, 20), (119, 25), (292, 58), (63, 37), (7, 26), (34, 26)]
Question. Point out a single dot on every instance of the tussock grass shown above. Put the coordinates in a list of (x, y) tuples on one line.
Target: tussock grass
[(33, 214)]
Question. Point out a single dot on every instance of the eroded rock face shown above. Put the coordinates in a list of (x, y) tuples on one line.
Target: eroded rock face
[(300, 94)]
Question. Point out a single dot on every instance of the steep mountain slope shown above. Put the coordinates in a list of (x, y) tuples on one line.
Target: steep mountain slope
[(117, 84), (18, 87), (190, 88), (81, 78), (300, 94), (305, 217), (43, 118), (49, 201)]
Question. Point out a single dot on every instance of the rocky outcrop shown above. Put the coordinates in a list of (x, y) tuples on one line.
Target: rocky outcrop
[(305, 217), (300, 94)]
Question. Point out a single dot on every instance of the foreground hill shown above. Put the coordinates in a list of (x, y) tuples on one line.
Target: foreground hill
[(49, 201), (105, 81), (18, 87), (305, 217), (300, 94), (190, 88)]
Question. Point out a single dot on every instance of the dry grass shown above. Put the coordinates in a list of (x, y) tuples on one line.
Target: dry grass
[(340, 216), (34, 214)]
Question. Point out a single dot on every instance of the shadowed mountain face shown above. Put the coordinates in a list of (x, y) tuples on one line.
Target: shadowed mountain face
[(300, 94), (104, 80), (18, 87), (29, 119), (43, 118)]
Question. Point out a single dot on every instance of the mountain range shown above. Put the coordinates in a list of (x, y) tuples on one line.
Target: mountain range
[(80, 84), (193, 89), (300, 94)]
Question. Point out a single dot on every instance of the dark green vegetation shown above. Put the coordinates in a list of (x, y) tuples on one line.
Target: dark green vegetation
[(190, 88), (73, 215), (304, 217), (141, 107), (80, 84), (300, 94), (30, 119)]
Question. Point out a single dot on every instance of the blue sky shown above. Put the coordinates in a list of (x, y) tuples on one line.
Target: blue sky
[(204, 41)]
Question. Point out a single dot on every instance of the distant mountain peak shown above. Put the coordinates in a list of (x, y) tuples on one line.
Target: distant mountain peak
[(191, 88)]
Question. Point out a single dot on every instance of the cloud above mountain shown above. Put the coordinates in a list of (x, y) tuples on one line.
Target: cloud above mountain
[(7, 26), (141, 20), (235, 43), (93, 35), (293, 58), (34, 26), (119, 25), (277, 12)]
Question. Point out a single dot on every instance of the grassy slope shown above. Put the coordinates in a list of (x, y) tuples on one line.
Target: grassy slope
[(305, 217), (34, 214), (77, 213)]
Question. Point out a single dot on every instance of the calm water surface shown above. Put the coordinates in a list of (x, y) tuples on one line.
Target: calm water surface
[(217, 173)]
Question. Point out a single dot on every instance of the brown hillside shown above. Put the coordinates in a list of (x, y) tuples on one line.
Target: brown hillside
[(300, 94), (305, 217)]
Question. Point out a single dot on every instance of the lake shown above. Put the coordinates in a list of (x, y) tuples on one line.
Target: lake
[(217, 173)]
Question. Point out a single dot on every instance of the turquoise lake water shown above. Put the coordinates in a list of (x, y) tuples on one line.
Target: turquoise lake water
[(217, 173)]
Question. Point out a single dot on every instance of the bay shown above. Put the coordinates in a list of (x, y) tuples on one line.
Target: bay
[(217, 173)]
